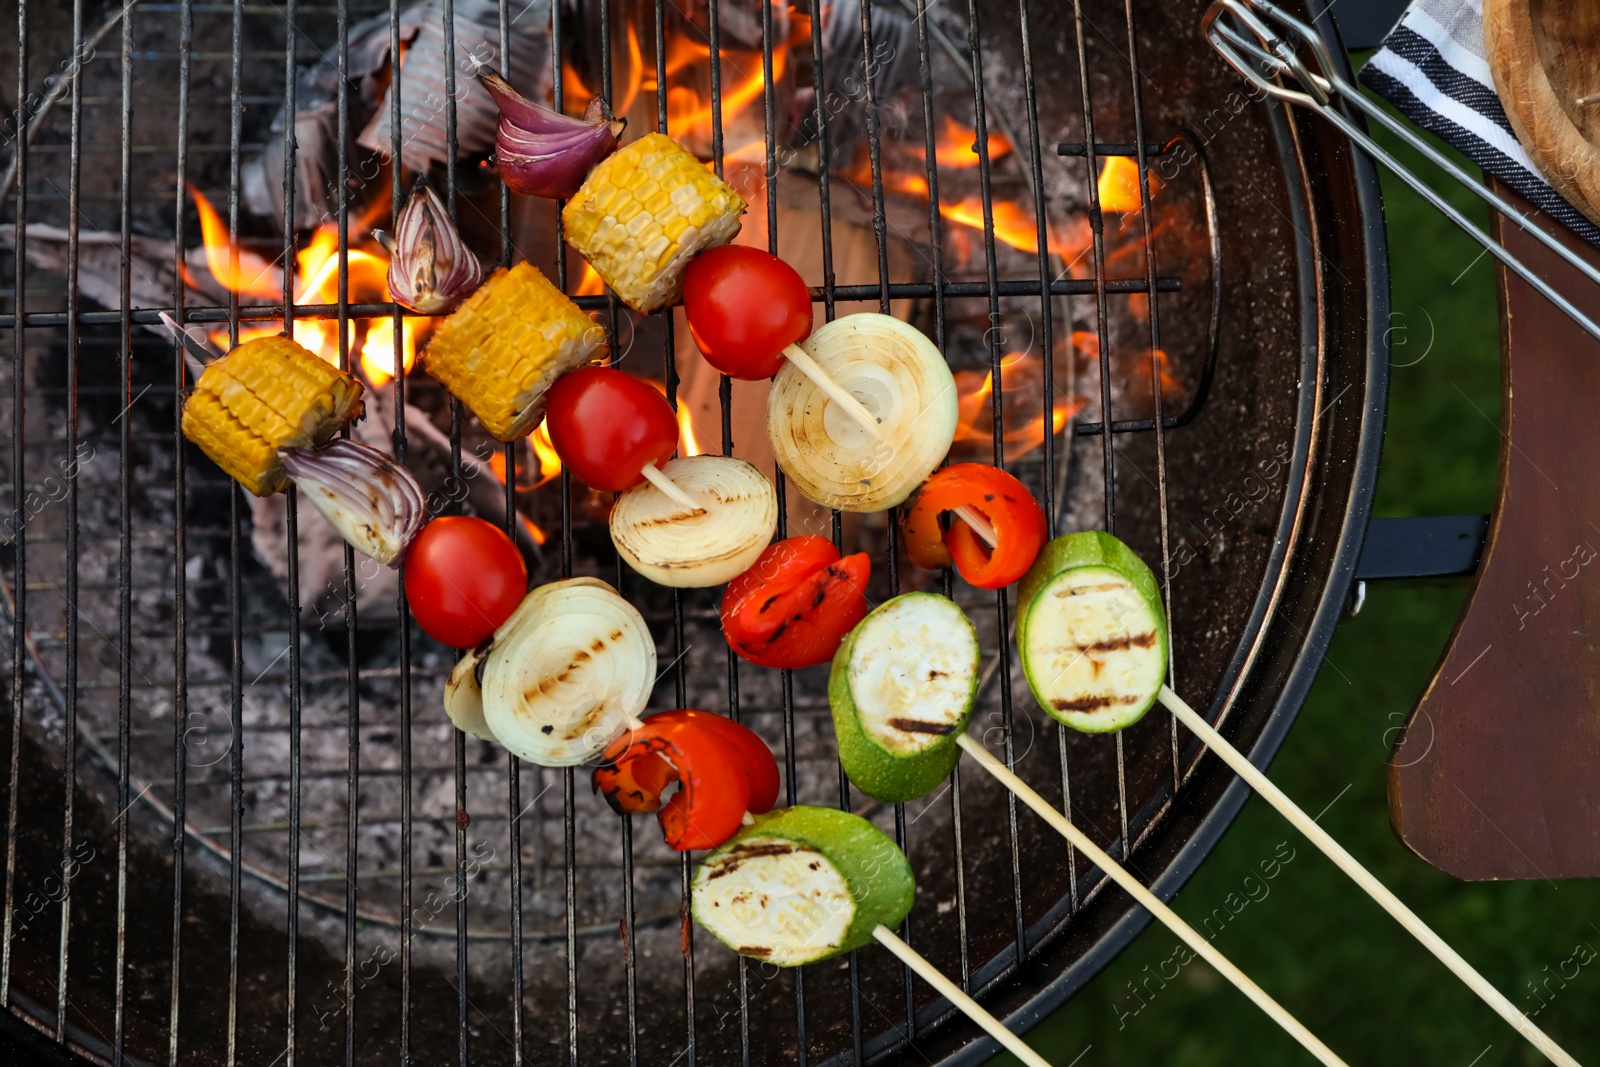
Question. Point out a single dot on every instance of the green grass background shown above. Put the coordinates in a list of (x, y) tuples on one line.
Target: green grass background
[(1312, 940)]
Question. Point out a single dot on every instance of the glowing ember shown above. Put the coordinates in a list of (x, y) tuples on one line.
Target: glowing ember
[(1119, 184), (957, 146), (370, 342)]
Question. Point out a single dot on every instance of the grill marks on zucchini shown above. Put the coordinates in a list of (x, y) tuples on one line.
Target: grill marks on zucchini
[(901, 689), (1091, 632), (775, 900), (911, 669), (802, 884)]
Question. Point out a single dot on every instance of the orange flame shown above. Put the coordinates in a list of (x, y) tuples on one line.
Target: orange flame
[(1013, 225), (575, 96), (249, 274), (1021, 378), (1118, 186), (497, 466), (591, 283), (957, 146), (690, 444), (545, 452), (370, 342), (687, 115)]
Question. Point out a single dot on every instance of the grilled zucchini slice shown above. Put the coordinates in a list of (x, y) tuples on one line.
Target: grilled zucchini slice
[(802, 884), (901, 690), (1091, 632)]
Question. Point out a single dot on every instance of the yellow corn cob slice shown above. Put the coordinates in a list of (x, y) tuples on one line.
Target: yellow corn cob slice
[(267, 394), (499, 351), (644, 212)]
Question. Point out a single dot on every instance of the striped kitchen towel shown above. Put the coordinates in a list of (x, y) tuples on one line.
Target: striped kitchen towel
[(1434, 68)]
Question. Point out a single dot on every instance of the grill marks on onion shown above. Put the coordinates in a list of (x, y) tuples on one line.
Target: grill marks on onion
[(562, 678), (671, 546)]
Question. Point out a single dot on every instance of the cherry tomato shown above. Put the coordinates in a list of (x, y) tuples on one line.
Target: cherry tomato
[(1018, 522), (709, 761), (606, 425), (795, 604), (464, 577), (744, 307)]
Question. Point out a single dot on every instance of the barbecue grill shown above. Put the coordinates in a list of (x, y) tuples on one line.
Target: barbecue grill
[(238, 826)]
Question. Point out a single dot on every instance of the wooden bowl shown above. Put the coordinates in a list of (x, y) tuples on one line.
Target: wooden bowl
[(1545, 59)]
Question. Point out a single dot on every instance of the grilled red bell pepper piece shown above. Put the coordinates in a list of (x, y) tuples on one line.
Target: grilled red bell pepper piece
[(1018, 522), (723, 771), (795, 604)]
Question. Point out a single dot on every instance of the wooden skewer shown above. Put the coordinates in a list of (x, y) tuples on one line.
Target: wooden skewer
[(1150, 902), (653, 475), (1363, 878), (979, 524), (819, 377), (931, 974)]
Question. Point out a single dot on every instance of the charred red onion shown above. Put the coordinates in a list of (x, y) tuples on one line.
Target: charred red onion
[(542, 152), (372, 501), (431, 269)]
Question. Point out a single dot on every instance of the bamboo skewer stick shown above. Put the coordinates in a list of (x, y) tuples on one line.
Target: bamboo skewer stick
[(979, 524), (819, 377), (974, 1011), (653, 475), (1117, 873), (1364, 878)]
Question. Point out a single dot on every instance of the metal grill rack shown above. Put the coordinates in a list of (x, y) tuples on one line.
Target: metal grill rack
[(132, 982)]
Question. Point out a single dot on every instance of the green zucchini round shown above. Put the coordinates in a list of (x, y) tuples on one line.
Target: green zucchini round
[(901, 690), (802, 884), (1091, 632)]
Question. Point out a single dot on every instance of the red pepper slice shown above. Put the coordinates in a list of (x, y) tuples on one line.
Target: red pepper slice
[(760, 768), (1018, 522), (723, 769), (795, 604)]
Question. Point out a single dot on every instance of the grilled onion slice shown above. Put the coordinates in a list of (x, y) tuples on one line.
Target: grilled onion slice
[(900, 377), (564, 675), (463, 694), (671, 545)]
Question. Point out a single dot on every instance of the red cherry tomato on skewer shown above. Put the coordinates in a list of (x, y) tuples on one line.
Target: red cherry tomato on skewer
[(723, 771), (607, 425), (744, 307), (795, 604), (1018, 522), (464, 577)]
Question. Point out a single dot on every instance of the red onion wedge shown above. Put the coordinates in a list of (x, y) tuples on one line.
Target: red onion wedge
[(372, 501), (542, 152), (431, 269)]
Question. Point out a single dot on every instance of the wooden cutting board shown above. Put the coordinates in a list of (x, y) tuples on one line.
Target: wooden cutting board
[(1544, 56), (1497, 774)]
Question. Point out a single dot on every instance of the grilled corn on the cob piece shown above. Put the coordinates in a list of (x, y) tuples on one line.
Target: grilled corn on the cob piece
[(267, 394), (644, 212), (501, 350)]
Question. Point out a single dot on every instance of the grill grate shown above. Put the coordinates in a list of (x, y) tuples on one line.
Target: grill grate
[(86, 331)]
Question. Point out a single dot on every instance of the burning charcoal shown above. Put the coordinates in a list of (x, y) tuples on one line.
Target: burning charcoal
[(422, 78), (843, 83), (316, 123)]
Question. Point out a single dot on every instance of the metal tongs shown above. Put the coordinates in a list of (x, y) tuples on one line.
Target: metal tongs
[(1273, 51)]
